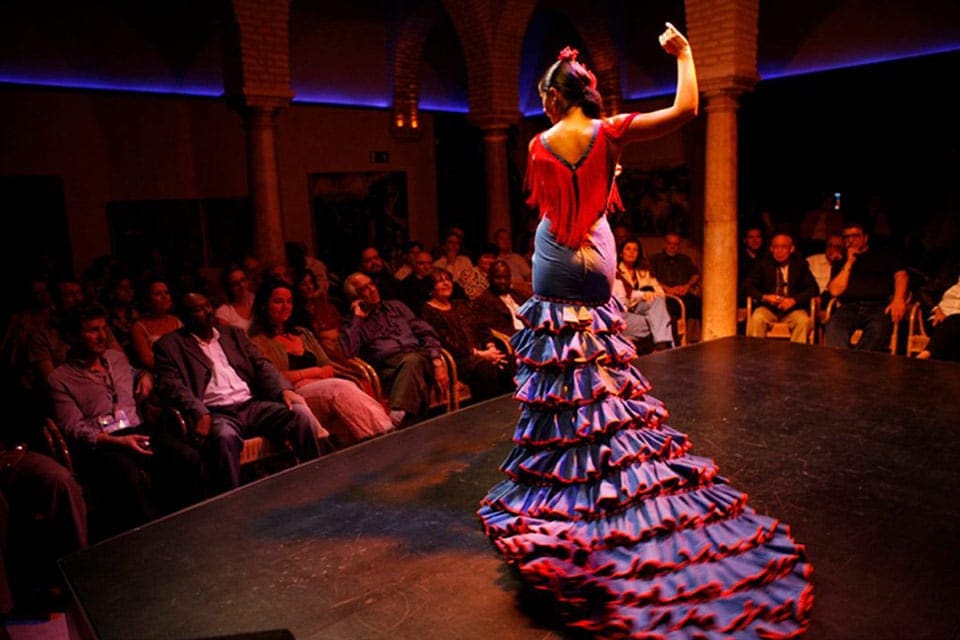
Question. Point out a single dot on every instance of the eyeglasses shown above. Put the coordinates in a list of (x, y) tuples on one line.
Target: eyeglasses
[(855, 234)]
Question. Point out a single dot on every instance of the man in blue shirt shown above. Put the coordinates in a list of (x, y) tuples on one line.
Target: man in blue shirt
[(404, 349)]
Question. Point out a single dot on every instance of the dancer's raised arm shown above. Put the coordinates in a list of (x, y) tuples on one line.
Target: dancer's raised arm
[(686, 102)]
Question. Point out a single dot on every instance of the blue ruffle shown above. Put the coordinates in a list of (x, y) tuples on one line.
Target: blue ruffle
[(605, 506), (579, 385), (543, 426), (591, 458), (571, 347), (539, 314)]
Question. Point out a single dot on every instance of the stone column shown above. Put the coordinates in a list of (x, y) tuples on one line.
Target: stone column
[(497, 175), (720, 216), (264, 178)]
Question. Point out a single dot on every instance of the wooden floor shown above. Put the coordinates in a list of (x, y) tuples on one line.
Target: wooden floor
[(859, 452)]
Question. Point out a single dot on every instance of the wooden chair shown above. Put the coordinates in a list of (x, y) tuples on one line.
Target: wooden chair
[(834, 304), (781, 330), (680, 322), (917, 337), (57, 444), (444, 399), (502, 341), (257, 451)]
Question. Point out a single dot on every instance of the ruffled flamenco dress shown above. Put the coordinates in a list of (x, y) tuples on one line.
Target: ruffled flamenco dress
[(604, 506)]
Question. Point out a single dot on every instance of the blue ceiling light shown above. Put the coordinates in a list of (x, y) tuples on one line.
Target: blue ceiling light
[(112, 85), (771, 72)]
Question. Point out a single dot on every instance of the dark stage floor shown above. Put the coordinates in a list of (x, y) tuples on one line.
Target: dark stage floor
[(858, 451)]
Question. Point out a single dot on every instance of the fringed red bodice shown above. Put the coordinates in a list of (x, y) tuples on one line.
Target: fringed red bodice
[(574, 196)]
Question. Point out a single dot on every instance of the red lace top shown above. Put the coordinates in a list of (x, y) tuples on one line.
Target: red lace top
[(573, 196)]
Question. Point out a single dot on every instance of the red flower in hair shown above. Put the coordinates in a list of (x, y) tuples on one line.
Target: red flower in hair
[(568, 54)]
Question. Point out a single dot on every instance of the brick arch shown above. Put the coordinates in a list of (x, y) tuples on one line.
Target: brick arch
[(492, 39), (405, 70), (256, 48)]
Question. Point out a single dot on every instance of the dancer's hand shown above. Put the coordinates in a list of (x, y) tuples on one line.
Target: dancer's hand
[(673, 41)]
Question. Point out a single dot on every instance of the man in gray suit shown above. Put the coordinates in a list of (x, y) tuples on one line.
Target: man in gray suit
[(228, 391)]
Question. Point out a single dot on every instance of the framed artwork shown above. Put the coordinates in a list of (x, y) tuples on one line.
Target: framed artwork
[(355, 210)]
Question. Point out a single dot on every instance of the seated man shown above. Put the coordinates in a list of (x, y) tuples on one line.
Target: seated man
[(372, 265), (228, 391), (519, 267), (863, 285), (678, 276), (496, 308), (42, 518), (404, 349), (410, 250), (751, 251), (821, 264), (135, 472), (781, 286)]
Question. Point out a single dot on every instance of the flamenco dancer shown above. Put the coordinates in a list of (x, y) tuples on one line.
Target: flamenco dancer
[(604, 506)]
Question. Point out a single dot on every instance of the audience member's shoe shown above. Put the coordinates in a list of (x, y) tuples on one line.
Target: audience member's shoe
[(662, 346), (397, 416)]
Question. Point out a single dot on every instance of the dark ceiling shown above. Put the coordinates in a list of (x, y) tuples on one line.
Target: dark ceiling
[(340, 50)]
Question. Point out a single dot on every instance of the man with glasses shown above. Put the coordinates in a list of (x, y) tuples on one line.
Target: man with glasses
[(782, 286), (403, 349), (871, 288)]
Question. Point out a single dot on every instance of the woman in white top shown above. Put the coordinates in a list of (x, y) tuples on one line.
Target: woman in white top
[(945, 340), (238, 310), (451, 259), (639, 291)]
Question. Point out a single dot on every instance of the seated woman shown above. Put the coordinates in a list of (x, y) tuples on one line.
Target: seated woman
[(238, 309), (486, 370), (156, 320), (639, 291), (349, 414), (319, 312), (945, 338), (118, 299)]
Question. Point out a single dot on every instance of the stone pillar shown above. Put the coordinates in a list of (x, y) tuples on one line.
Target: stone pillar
[(497, 175), (720, 241), (264, 178)]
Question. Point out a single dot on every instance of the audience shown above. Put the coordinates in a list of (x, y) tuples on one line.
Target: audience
[(644, 299), (496, 308), (230, 387), (410, 250), (339, 404), (134, 472), (519, 266), (821, 264), (228, 391), (781, 286), (678, 276), (484, 368), (156, 320), (237, 311), (450, 257), (43, 516), (751, 250), (945, 337), (372, 265), (475, 280), (871, 287), (121, 311), (404, 349)]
